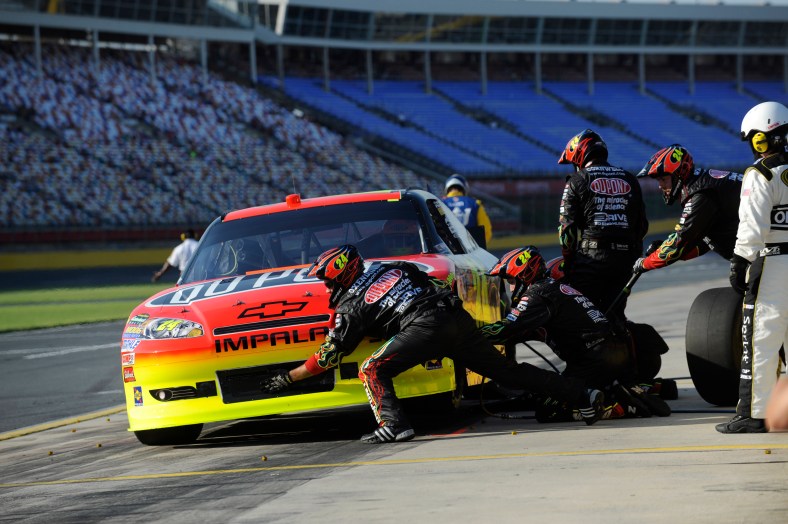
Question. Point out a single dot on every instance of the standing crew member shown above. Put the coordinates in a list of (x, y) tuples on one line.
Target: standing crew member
[(759, 266), (180, 256), (602, 223), (421, 321), (710, 216), (467, 209)]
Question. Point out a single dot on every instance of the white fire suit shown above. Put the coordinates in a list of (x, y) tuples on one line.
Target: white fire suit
[(762, 239)]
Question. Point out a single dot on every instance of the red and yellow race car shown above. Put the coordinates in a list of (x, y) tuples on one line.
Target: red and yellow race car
[(196, 353)]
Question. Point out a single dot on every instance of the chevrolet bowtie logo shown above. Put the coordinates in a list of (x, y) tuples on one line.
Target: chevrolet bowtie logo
[(272, 309)]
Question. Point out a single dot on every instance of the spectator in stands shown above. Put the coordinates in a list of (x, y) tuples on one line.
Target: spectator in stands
[(467, 209), (710, 216), (180, 256), (602, 223)]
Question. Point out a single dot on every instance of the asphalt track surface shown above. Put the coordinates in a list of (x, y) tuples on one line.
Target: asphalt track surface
[(474, 467)]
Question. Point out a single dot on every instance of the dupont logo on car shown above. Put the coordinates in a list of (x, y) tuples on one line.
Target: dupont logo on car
[(382, 286), (610, 186), (229, 286), (127, 359)]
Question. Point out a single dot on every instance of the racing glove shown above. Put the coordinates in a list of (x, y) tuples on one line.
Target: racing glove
[(277, 381), (738, 274), (653, 247), (638, 268)]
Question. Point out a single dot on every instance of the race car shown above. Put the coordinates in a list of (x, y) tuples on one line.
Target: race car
[(244, 306)]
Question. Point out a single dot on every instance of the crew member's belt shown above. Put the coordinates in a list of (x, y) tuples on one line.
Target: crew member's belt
[(780, 248), (603, 244)]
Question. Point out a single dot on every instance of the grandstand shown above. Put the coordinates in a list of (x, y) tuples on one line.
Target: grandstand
[(142, 116)]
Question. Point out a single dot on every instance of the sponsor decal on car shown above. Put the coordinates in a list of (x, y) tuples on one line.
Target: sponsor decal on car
[(137, 320), (382, 286), (229, 286), (129, 344), (128, 375), (229, 344), (280, 308), (137, 396), (127, 359)]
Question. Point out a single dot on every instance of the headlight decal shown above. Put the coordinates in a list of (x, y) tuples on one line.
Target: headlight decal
[(170, 328)]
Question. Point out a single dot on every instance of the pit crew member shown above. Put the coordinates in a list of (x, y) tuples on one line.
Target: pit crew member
[(760, 264), (710, 216), (421, 319), (571, 325), (602, 223)]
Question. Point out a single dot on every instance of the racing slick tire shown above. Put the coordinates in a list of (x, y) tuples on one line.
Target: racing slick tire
[(714, 346), (175, 436), (649, 346)]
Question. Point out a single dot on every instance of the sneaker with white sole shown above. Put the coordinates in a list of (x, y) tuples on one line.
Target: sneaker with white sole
[(595, 408), (386, 434)]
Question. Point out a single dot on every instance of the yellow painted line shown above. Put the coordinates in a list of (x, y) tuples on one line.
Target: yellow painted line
[(597, 452), (60, 423)]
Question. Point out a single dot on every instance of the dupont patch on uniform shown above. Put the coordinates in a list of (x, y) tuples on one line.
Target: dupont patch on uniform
[(568, 290), (713, 173), (382, 285)]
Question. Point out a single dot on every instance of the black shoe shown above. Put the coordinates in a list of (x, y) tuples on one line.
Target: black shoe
[(388, 434), (595, 407), (552, 410), (655, 404), (631, 401), (664, 388), (742, 424)]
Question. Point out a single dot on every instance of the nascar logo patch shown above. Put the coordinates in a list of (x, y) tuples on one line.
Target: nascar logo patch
[(382, 286)]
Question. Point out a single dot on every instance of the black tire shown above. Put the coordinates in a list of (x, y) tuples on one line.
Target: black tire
[(714, 348), (178, 435), (649, 346)]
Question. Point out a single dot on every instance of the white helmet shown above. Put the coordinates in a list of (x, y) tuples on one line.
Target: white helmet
[(456, 180), (765, 127)]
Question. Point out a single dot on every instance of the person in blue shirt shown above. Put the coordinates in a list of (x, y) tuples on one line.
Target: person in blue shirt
[(468, 210)]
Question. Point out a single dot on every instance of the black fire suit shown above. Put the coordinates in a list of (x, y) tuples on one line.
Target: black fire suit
[(576, 331), (421, 321), (602, 225), (708, 221)]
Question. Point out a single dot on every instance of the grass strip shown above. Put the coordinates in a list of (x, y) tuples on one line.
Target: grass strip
[(21, 310)]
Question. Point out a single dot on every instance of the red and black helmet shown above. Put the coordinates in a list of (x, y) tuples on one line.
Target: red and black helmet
[(339, 266), (674, 161), (585, 146), (525, 265)]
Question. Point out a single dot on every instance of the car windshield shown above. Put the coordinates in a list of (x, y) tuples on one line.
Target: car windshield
[(377, 229)]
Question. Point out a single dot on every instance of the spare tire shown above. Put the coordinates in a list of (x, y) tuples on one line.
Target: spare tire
[(714, 346)]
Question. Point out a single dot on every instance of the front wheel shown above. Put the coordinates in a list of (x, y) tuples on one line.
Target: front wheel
[(178, 435), (714, 345)]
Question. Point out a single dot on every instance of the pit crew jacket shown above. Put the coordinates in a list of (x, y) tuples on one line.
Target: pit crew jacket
[(555, 313), (763, 213), (709, 219), (603, 206), (383, 301)]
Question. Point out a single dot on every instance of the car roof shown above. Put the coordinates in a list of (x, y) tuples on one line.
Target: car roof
[(294, 202)]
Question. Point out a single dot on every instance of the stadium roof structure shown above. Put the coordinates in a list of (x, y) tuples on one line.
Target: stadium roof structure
[(738, 28)]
